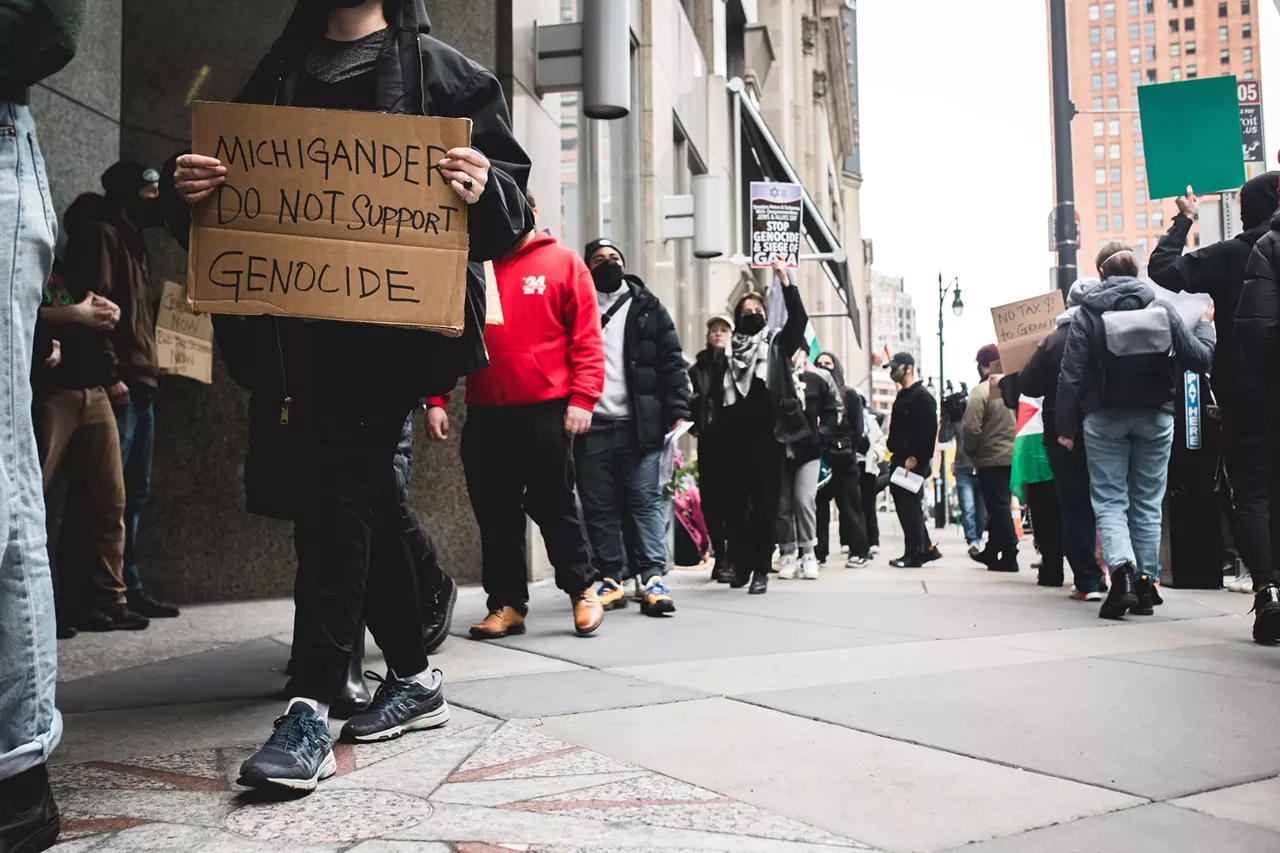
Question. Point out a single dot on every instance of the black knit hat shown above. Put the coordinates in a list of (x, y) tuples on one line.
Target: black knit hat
[(602, 243), (123, 180)]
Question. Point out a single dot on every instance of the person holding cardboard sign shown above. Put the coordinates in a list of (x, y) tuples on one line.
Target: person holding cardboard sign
[(330, 398)]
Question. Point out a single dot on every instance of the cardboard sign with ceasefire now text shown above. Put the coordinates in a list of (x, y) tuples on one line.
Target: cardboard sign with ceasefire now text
[(1021, 326), (329, 214), (184, 340)]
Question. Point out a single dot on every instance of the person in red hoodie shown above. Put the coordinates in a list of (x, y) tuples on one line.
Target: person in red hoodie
[(545, 374)]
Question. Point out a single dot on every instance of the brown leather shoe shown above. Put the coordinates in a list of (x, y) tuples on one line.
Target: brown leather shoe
[(504, 621), (588, 612)]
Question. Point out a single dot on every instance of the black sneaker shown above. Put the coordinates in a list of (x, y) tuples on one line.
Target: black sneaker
[(1121, 597), (398, 707), (1142, 587), (142, 603), (906, 561), (931, 554), (759, 583), (1155, 594), (111, 617), (435, 628), (297, 756), (66, 632), (986, 556), (1008, 562), (29, 819), (1266, 619)]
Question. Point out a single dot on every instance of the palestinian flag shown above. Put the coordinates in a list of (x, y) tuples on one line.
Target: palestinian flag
[(1030, 462)]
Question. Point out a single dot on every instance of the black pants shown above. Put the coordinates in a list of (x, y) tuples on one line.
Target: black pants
[(714, 482), (845, 488), (1046, 520), (1255, 491), (910, 509), (1079, 527), (1002, 537), (518, 462), (756, 487), (353, 557), (425, 557), (870, 491)]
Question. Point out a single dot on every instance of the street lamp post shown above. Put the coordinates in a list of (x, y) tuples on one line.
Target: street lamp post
[(957, 308)]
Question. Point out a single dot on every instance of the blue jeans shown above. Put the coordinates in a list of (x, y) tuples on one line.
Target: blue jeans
[(1128, 470), (973, 511), (621, 502), (30, 726), (137, 422)]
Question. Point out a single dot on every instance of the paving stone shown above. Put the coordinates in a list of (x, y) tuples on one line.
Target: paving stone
[(1255, 803), (330, 815), (1141, 721), (891, 795), (187, 807), (496, 792), (518, 751), (174, 838), (467, 660), (1242, 658), (1155, 828), (531, 696), (1131, 636), (419, 771)]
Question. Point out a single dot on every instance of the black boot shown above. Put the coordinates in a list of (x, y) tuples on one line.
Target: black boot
[(436, 624), (29, 820), (1266, 619), (1142, 588), (986, 556), (1121, 598), (759, 583), (355, 696), (722, 572), (738, 577)]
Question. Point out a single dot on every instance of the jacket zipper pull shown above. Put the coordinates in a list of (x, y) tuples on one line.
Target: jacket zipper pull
[(284, 410)]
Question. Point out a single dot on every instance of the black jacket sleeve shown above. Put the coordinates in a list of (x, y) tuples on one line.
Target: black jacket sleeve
[(673, 376), (791, 336), (1033, 379), (924, 432), (1258, 314), (855, 420), (1195, 272), (1076, 375)]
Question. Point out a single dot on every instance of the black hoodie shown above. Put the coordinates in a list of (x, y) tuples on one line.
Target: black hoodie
[(1258, 327), (849, 437), (1219, 271)]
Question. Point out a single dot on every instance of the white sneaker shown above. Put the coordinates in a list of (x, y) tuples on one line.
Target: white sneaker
[(1244, 583), (856, 562), (874, 551), (787, 566), (809, 567), (1084, 596)]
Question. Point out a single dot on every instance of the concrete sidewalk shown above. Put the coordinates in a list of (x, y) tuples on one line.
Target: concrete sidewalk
[(898, 710)]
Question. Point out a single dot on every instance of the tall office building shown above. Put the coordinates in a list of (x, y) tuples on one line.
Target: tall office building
[(1115, 47)]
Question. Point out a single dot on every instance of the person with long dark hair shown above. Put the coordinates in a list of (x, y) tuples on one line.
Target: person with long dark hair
[(846, 442), (762, 410)]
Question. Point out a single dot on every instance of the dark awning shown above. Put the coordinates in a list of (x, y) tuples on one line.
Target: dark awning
[(764, 159)]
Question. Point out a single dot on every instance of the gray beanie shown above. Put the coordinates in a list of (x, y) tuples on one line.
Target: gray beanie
[(1078, 291)]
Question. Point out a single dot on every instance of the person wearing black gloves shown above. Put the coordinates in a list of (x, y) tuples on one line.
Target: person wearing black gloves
[(329, 400), (706, 375), (762, 411), (913, 433), (846, 442), (1258, 334), (646, 394), (1219, 270)]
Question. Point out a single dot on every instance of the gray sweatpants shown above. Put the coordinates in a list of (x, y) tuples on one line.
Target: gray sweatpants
[(798, 506)]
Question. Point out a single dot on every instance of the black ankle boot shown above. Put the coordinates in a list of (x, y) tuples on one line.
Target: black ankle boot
[(354, 696), (1266, 618), (759, 583), (1121, 597), (1143, 588), (436, 624), (29, 820)]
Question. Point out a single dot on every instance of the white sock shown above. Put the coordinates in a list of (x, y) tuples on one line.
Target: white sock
[(321, 708), (428, 678)]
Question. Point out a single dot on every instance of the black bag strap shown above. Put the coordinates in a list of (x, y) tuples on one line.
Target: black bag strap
[(615, 308)]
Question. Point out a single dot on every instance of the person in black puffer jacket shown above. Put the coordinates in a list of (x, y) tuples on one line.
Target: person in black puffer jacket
[(706, 375), (1258, 334), (762, 411), (844, 444), (646, 395), (1118, 377)]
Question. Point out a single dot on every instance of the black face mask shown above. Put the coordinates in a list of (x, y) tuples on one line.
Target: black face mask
[(751, 324), (145, 212), (608, 276)]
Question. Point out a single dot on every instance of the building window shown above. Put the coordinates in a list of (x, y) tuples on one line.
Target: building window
[(1157, 218), (1099, 151), (1097, 103), (1173, 25), (1111, 56), (1108, 10), (1111, 33), (1113, 102), (1222, 11), (1137, 125), (1113, 127), (1100, 177), (1095, 35), (1245, 7), (1189, 25), (1191, 48), (1150, 52), (1099, 128), (1142, 219), (1095, 82), (1149, 29), (1117, 222), (1134, 31), (1248, 54), (1150, 6), (1113, 80), (1140, 174), (1248, 75), (1114, 152), (1133, 7), (1140, 195), (1102, 222), (1246, 31), (1117, 198), (1101, 200), (1094, 11), (1188, 3), (1173, 4), (1141, 246), (1135, 55), (1135, 78), (1095, 58), (1192, 72), (1225, 57), (1115, 174), (1151, 75), (1223, 33), (1175, 74), (1175, 49), (1140, 150)]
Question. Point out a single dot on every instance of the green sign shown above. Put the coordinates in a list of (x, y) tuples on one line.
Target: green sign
[(1191, 134)]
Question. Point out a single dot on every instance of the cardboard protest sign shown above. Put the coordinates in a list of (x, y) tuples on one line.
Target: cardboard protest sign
[(1191, 136), (330, 214), (1021, 326), (184, 340), (492, 297), (777, 212)]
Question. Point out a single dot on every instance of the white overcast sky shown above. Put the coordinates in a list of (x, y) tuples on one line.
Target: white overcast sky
[(957, 157)]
